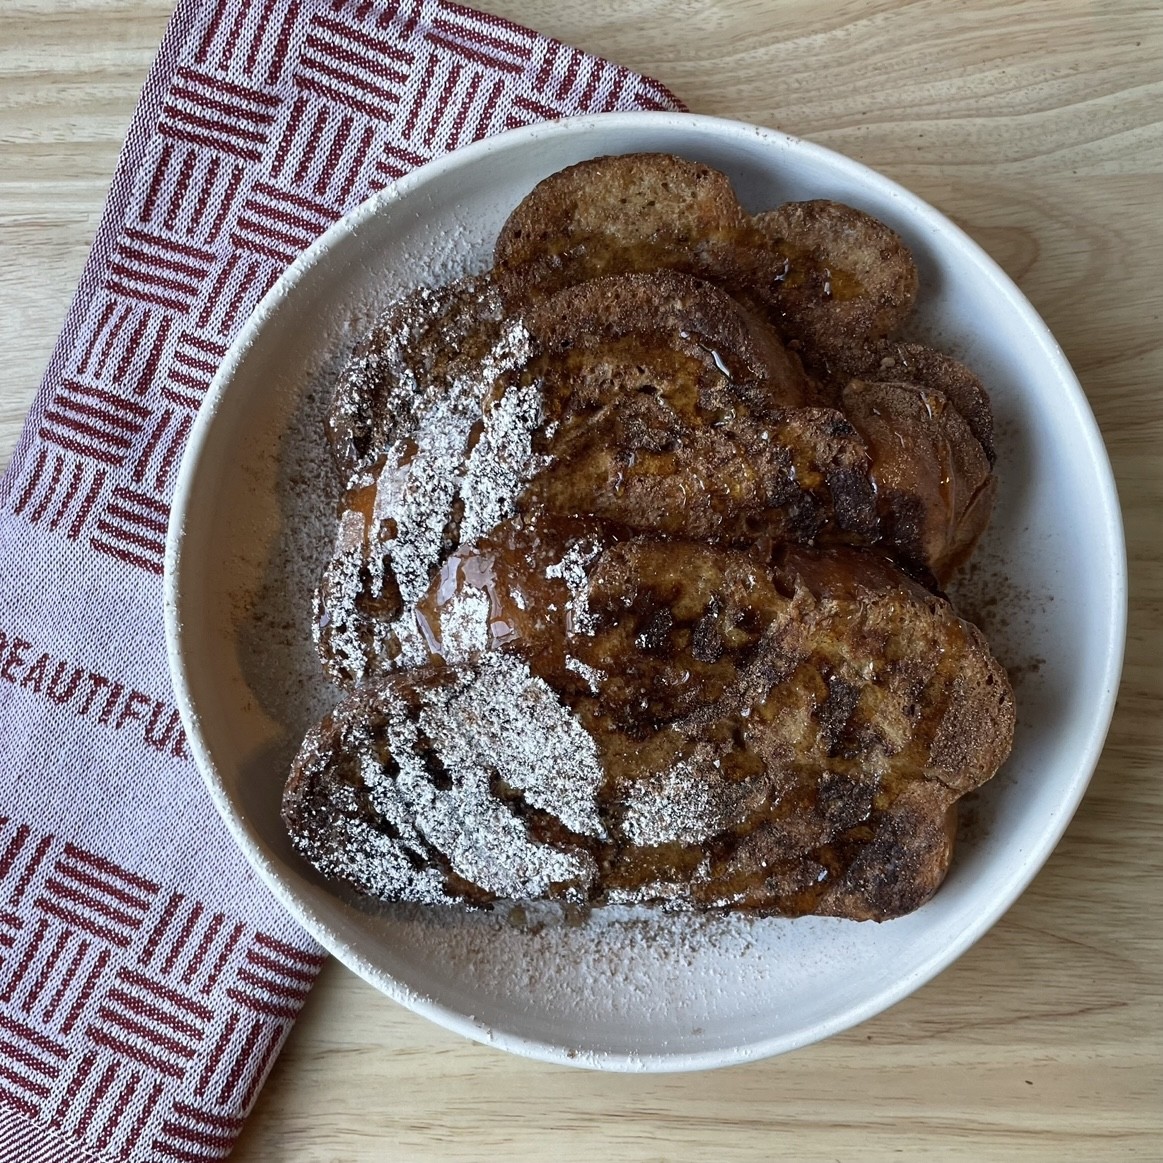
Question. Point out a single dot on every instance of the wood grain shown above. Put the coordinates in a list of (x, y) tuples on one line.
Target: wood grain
[(1037, 126)]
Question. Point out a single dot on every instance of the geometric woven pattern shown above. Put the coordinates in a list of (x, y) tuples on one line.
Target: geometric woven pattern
[(280, 117), (138, 1018)]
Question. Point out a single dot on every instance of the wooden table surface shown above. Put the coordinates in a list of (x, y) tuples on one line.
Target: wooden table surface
[(1038, 126)]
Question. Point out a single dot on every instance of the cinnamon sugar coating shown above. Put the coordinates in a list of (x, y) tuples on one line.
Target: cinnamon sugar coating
[(634, 588)]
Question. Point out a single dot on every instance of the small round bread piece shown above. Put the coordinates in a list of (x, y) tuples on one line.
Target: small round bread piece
[(928, 368), (846, 279), (933, 483)]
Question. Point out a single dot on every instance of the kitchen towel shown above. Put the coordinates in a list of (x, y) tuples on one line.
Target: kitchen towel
[(147, 978)]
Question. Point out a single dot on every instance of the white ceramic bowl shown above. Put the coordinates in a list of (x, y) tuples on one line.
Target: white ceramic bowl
[(252, 526)]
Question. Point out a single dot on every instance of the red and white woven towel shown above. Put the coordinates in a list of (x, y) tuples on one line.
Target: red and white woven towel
[(147, 979)]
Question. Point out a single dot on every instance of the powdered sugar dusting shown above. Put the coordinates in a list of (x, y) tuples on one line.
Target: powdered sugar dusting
[(674, 805), (380, 863), (479, 729), (573, 570), (618, 968), (593, 676), (465, 624), (513, 723), (441, 779), (399, 371), (457, 470), (502, 461), (416, 491)]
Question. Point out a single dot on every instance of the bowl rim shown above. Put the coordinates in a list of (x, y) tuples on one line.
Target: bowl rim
[(1032, 858)]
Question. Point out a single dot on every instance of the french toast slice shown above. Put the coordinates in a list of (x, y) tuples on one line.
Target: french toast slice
[(681, 314), (846, 279), (670, 407), (643, 630), (618, 214), (454, 461), (653, 401), (656, 436), (637, 461), (838, 712), (406, 790)]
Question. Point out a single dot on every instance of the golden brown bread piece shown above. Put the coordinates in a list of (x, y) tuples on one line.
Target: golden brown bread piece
[(811, 724), (671, 312), (848, 279), (703, 448), (640, 632), (669, 407)]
